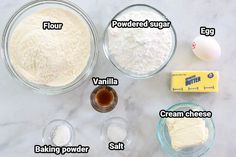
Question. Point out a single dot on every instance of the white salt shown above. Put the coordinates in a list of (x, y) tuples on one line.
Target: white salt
[(116, 133)]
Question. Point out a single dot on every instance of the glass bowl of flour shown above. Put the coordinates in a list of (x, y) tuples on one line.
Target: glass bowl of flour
[(139, 52), (50, 46)]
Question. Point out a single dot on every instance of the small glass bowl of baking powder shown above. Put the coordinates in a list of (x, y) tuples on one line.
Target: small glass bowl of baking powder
[(126, 48), (58, 133), (194, 150), (31, 8)]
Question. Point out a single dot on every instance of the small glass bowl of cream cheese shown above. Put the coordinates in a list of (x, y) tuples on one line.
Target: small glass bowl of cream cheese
[(73, 76), (139, 52), (193, 150)]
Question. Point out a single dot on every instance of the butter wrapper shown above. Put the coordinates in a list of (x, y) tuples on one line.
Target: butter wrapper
[(194, 81)]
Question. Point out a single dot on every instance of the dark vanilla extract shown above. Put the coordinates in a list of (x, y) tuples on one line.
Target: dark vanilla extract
[(104, 98)]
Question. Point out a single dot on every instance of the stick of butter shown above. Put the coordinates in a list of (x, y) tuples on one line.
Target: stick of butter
[(194, 81)]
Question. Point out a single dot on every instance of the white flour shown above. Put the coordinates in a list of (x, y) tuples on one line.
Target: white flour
[(140, 50), (50, 57)]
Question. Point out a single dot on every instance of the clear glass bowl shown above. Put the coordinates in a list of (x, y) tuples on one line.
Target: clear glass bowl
[(119, 122), (31, 8), (104, 108), (111, 57), (48, 132), (194, 151)]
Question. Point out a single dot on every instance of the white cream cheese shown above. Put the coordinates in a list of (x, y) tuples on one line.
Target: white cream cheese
[(186, 132)]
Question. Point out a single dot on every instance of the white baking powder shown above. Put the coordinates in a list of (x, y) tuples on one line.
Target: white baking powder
[(61, 135), (140, 50), (50, 57)]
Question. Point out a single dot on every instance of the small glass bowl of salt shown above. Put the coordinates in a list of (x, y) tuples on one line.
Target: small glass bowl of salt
[(116, 129), (58, 133)]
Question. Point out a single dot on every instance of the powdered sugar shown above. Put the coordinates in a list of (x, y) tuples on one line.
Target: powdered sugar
[(140, 51)]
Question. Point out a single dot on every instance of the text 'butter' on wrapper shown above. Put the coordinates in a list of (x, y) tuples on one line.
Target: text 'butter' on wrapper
[(194, 81)]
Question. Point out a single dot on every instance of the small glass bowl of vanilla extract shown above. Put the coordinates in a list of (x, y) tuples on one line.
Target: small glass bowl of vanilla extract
[(103, 99)]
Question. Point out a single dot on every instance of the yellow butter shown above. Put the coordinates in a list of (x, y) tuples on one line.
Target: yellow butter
[(194, 81)]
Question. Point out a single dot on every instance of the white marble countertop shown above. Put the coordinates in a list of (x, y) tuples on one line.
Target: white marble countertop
[(23, 113)]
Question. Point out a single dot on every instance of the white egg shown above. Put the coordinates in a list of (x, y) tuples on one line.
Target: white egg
[(206, 48)]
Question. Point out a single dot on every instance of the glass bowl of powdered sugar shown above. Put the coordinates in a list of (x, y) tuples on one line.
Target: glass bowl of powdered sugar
[(50, 46), (139, 41)]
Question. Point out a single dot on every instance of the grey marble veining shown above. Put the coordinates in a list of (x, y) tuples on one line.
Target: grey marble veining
[(23, 113)]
